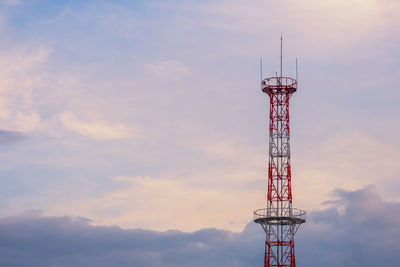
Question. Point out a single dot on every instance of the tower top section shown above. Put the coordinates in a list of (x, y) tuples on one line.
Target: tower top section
[(279, 85)]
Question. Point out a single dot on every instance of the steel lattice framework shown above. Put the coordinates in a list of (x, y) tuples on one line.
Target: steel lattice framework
[(279, 220)]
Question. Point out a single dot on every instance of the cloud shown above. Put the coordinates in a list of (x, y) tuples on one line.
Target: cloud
[(72, 241), (168, 70), (20, 75), (10, 137), (11, 2), (28, 122), (356, 228), (96, 130), (157, 203), (342, 28), (191, 123), (332, 165)]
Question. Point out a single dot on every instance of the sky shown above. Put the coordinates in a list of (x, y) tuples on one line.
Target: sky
[(145, 119)]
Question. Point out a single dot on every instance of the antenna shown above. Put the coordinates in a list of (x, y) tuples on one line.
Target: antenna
[(261, 76), (281, 54), (297, 73)]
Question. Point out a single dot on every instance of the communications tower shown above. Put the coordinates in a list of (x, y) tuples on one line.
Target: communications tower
[(279, 220)]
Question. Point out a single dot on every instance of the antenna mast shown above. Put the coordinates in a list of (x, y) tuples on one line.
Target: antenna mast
[(281, 54)]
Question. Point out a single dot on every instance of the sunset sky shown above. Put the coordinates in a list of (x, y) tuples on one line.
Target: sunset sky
[(149, 115)]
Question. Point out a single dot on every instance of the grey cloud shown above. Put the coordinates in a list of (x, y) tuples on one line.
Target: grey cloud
[(358, 229), (10, 137), (70, 241)]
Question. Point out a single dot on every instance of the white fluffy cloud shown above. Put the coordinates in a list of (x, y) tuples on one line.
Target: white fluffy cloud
[(99, 130)]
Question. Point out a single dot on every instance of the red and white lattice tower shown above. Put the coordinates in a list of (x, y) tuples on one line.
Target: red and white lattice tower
[(279, 220)]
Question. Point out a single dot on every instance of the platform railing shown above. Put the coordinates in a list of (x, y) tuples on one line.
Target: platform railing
[(279, 81), (281, 212)]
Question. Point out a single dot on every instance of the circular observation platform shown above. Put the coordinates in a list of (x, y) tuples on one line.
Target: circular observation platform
[(279, 85), (274, 217)]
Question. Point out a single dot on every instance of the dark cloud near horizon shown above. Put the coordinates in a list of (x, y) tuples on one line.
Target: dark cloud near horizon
[(32, 240), (10, 137), (356, 229)]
